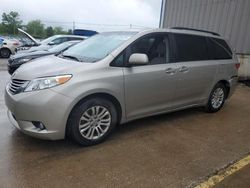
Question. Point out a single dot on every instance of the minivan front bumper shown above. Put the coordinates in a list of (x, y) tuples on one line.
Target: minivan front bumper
[(45, 106), (28, 128)]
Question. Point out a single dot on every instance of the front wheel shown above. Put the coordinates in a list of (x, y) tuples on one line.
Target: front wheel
[(217, 98), (92, 121)]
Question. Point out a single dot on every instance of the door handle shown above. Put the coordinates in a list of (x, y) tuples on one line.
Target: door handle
[(170, 71), (184, 69)]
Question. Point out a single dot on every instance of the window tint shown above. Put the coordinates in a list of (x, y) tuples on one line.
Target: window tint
[(73, 38), (48, 40), (190, 47), (155, 46), (218, 49), (119, 60), (59, 40)]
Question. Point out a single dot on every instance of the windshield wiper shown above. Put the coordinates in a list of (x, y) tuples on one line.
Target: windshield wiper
[(70, 57)]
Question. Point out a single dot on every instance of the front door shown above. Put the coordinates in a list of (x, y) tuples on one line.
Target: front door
[(149, 89)]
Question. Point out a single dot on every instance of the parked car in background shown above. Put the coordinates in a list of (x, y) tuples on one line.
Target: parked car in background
[(9, 47), (117, 77), (25, 44), (49, 42), (20, 58)]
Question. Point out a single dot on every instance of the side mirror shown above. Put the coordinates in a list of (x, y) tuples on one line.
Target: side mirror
[(51, 43), (138, 59)]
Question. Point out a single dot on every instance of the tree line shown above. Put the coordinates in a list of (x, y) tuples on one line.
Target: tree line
[(11, 21)]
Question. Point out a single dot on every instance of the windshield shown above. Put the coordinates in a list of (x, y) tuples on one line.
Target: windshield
[(48, 40), (97, 47), (61, 47)]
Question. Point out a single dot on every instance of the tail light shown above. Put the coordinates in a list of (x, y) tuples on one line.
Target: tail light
[(237, 65)]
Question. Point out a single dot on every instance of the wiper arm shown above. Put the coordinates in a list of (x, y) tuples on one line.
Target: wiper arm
[(70, 57)]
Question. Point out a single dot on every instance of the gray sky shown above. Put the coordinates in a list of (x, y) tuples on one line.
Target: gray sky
[(87, 13)]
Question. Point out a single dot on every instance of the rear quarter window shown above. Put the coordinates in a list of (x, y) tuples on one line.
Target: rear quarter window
[(219, 49)]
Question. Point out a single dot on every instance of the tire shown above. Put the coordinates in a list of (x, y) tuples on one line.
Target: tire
[(217, 98), (5, 53), (95, 117)]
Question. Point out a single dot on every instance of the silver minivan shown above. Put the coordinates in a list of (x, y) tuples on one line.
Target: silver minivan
[(116, 77)]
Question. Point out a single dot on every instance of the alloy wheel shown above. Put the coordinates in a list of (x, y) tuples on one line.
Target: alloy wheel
[(95, 122), (217, 98)]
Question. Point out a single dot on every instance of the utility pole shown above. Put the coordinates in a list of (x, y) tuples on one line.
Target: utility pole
[(162, 13)]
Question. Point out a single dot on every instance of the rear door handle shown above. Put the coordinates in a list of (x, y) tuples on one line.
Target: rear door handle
[(170, 71), (183, 69)]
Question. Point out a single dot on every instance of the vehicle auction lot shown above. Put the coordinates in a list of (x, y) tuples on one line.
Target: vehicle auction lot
[(173, 150)]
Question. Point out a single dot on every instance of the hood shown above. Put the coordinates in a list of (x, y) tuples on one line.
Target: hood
[(47, 66), (30, 55), (29, 36)]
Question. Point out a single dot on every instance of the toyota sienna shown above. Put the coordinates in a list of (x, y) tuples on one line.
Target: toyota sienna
[(115, 77)]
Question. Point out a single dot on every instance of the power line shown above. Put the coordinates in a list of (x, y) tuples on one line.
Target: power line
[(94, 24)]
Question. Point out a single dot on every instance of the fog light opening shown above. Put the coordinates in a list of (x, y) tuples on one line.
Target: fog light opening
[(38, 125)]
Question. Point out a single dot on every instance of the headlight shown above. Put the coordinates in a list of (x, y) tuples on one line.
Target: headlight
[(24, 60), (47, 82)]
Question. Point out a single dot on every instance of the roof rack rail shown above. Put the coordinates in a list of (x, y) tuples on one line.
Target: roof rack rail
[(191, 29)]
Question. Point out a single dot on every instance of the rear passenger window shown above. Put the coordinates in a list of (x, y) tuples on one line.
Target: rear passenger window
[(190, 48), (218, 49)]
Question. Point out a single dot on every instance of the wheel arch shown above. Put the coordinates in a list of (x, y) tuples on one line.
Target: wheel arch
[(102, 95), (227, 85)]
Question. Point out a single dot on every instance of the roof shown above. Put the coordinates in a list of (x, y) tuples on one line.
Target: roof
[(169, 30), (183, 31)]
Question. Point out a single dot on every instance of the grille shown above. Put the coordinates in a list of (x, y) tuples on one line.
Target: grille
[(16, 85)]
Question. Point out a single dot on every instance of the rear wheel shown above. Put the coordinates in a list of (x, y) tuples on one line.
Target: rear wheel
[(5, 53), (92, 121), (217, 98)]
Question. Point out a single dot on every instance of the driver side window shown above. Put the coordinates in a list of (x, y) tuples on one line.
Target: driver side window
[(156, 47)]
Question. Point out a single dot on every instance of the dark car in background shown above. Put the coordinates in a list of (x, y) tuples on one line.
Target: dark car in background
[(18, 59)]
